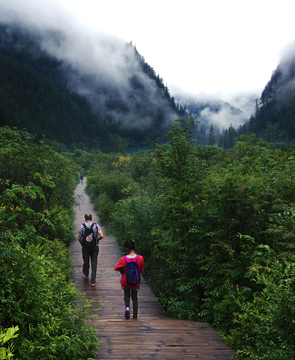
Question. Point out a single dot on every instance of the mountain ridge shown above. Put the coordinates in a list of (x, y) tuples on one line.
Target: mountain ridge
[(140, 109)]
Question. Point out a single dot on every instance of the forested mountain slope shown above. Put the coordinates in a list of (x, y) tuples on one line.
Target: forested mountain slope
[(46, 93), (273, 117)]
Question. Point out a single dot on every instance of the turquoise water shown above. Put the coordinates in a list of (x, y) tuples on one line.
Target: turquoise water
[(136, 149)]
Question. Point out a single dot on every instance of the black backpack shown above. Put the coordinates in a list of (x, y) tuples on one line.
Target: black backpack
[(89, 238)]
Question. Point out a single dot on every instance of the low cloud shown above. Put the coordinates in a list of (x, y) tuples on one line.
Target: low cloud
[(221, 114), (224, 118)]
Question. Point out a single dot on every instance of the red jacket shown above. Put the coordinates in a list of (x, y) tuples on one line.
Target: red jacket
[(121, 266)]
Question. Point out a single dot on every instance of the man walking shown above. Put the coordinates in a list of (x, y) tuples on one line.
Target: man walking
[(89, 234)]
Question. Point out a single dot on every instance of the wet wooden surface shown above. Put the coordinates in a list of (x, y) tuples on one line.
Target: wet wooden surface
[(153, 335)]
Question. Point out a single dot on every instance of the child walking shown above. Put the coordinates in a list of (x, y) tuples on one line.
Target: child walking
[(130, 290)]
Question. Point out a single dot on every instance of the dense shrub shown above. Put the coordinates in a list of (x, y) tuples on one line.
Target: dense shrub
[(36, 220), (216, 229), (265, 323), (106, 181), (24, 161)]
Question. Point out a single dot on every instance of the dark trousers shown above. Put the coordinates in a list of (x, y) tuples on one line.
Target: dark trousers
[(90, 254), (133, 293)]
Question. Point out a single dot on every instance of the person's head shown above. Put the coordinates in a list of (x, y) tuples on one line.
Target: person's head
[(129, 244), (88, 217)]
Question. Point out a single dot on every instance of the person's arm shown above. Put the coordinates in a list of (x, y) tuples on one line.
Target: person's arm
[(100, 235), (141, 265), (80, 233), (121, 266)]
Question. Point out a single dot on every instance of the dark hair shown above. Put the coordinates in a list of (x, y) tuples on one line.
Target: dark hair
[(88, 217), (130, 244)]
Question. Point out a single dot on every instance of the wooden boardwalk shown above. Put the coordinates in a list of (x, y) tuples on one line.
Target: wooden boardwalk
[(153, 335)]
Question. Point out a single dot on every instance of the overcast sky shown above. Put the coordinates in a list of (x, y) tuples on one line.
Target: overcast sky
[(216, 47)]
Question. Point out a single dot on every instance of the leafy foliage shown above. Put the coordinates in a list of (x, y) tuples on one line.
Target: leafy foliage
[(216, 229), (23, 162), (107, 188), (5, 336), (36, 220)]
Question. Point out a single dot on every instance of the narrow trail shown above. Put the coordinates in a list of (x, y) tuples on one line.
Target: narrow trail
[(153, 335)]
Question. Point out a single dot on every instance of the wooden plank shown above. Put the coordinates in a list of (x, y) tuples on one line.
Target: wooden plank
[(153, 335), (160, 354)]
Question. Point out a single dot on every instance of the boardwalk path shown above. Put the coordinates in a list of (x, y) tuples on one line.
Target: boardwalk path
[(153, 335)]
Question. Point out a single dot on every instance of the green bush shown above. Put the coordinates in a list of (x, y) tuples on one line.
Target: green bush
[(104, 207), (24, 161), (266, 328), (106, 182), (216, 229), (35, 289), (36, 293)]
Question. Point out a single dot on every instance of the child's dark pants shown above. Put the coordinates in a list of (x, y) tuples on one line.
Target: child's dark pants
[(133, 293)]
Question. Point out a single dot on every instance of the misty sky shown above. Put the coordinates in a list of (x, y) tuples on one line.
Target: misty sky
[(215, 47)]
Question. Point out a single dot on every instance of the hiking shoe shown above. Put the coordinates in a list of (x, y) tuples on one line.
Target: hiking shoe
[(85, 276), (127, 313), (92, 284)]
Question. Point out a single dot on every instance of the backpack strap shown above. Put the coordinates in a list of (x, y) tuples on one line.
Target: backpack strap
[(128, 260), (91, 227)]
